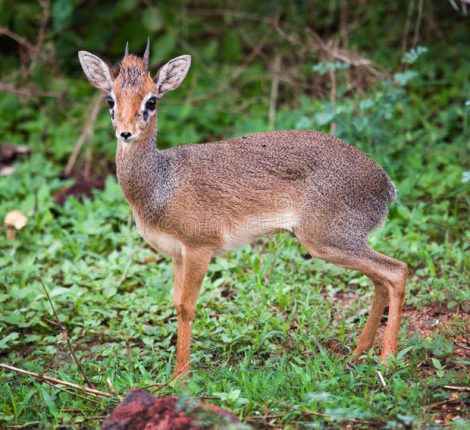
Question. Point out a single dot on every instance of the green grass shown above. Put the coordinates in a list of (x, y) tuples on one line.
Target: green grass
[(274, 329), (270, 335)]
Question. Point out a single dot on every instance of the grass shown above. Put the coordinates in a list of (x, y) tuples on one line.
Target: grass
[(274, 329)]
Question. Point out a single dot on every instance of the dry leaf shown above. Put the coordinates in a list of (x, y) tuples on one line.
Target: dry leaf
[(6, 170), (15, 219)]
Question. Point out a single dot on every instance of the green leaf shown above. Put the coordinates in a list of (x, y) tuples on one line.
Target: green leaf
[(231, 46), (404, 77), (4, 341), (62, 12), (49, 401), (437, 364), (401, 354)]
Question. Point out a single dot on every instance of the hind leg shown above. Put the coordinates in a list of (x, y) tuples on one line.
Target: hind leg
[(366, 340), (389, 277)]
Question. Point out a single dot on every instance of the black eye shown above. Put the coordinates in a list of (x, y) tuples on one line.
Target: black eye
[(150, 104), (110, 101)]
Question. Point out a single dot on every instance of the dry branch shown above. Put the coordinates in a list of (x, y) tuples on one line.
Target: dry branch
[(234, 76), (53, 381), (404, 41), (17, 38), (274, 91), (65, 335), (42, 30), (418, 23), (382, 379), (456, 388), (86, 134), (71, 393), (27, 91), (320, 414)]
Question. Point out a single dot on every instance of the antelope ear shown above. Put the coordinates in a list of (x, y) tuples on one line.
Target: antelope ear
[(96, 70), (171, 75)]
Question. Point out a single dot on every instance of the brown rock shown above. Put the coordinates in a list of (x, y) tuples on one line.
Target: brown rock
[(142, 411)]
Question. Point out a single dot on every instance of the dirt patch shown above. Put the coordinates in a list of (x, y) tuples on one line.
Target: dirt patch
[(429, 321), (81, 187)]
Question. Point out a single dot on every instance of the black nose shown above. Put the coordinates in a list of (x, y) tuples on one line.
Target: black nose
[(126, 135)]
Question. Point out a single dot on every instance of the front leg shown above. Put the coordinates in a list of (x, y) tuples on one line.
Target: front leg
[(178, 277), (194, 267)]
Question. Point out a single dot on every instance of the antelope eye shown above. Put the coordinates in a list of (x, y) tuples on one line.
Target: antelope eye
[(110, 101), (150, 104)]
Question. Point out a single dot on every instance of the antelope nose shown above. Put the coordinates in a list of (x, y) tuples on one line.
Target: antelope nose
[(126, 135)]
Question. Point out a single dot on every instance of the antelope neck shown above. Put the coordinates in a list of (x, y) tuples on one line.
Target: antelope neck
[(146, 176)]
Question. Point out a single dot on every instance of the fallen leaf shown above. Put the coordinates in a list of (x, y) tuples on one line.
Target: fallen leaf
[(150, 259), (6, 170), (15, 219)]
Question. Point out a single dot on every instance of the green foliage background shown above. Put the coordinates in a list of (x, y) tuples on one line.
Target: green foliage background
[(273, 329)]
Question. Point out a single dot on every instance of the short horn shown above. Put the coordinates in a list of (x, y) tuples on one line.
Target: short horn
[(147, 55), (126, 52)]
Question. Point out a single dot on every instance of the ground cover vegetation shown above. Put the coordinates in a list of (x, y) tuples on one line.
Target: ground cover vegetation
[(274, 327)]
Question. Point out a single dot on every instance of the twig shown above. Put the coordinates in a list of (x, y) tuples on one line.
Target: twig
[(404, 41), (112, 390), (263, 418), (235, 74), (332, 76), (42, 30), (418, 365), (84, 135), (50, 380), (343, 19), (456, 388), (382, 380), (71, 392), (462, 346), (159, 387), (334, 53), (65, 334), (17, 38), (274, 91), (418, 23), (210, 13), (443, 402), (126, 270), (320, 414), (24, 426), (27, 91)]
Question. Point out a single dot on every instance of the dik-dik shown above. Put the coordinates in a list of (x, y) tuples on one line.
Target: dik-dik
[(196, 201)]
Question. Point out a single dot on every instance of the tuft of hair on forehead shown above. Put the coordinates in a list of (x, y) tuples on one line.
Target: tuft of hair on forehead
[(131, 71)]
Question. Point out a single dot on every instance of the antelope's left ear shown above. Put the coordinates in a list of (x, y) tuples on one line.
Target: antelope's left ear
[(171, 75), (96, 70)]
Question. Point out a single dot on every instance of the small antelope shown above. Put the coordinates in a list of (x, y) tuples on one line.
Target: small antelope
[(196, 201)]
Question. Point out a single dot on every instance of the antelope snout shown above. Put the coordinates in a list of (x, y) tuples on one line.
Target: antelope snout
[(126, 135)]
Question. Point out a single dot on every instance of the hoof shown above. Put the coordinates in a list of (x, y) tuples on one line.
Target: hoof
[(386, 359), (358, 356), (180, 374)]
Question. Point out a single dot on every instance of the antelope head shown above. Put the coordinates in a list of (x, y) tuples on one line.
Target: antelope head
[(132, 96)]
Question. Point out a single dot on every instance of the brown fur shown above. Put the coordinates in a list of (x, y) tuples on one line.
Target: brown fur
[(195, 201)]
